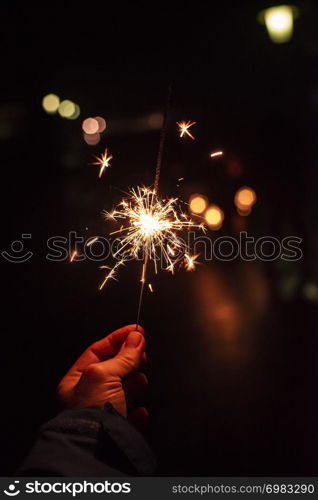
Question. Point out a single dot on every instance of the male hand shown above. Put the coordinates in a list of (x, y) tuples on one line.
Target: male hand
[(107, 372)]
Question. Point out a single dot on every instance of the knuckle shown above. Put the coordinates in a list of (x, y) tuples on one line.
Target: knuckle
[(94, 371)]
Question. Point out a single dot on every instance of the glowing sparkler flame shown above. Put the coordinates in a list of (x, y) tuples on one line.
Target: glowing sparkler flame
[(184, 128), (149, 229), (103, 162)]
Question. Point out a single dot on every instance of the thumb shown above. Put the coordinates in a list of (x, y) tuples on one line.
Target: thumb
[(129, 357)]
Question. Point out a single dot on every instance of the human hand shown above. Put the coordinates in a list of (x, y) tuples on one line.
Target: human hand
[(107, 372)]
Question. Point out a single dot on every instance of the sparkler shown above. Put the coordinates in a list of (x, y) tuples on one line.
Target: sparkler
[(149, 225), (103, 162), (184, 128), (149, 228)]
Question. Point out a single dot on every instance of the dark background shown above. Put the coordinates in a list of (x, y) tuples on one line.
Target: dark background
[(232, 347)]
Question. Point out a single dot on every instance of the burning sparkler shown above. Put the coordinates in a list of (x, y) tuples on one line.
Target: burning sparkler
[(149, 225), (103, 162), (149, 229), (184, 128)]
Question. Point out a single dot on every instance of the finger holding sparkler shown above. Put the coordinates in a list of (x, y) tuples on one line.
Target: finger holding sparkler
[(184, 128)]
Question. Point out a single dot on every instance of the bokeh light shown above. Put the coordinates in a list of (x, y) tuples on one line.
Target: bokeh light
[(310, 291), (91, 139), (76, 113), (279, 21), (198, 203), (51, 103), (214, 217), (245, 198), (244, 211), (67, 109), (90, 126), (101, 123)]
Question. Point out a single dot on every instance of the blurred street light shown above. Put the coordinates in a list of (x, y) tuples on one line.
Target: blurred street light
[(279, 22)]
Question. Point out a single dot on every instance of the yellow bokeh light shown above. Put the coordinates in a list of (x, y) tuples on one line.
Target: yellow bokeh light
[(214, 216), (245, 198), (76, 113), (51, 103), (67, 109), (198, 203), (279, 21)]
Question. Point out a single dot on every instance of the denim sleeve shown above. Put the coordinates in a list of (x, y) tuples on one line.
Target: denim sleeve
[(89, 442)]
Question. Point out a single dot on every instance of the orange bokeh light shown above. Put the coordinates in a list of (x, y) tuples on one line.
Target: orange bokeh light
[(244, 211), (92, 139), (245, 198), (198, 203), (90, 126), (214, 216)]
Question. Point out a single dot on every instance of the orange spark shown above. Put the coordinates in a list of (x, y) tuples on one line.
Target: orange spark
[(184, 128), (216, 153), (91, 241), (73, 256), (190, 261), (150, 287), (103, 162)]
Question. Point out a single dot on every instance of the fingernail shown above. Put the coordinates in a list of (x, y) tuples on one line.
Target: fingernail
[(133, 339)]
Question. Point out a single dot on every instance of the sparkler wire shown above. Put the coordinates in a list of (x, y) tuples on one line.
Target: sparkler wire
[(154, 193)]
